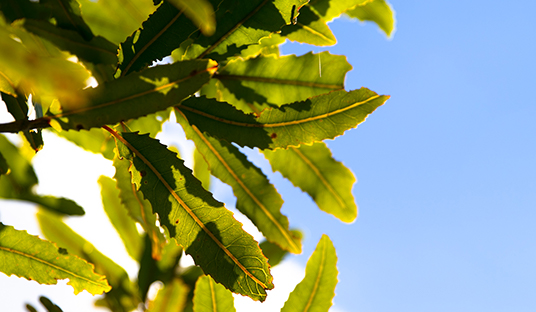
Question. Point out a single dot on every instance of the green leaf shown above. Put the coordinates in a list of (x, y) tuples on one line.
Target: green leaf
[(94, 140), (68, 16), (54, 204), (198, 222), (6, 85), (273, 252), (138, 208), (139, 94), (28, 256), (30, 308), (97, 50), (267, 81), (201, 170), (317, 289), (200, 12), (212, 297), (49, 305), (316, 119), (310, 28), (123, 224), (241, 23), (377, 11), (4, 167), (115, 20), (267, 46), (16, 9), (256, 197), (329, 9), (17, 106), (313, 169), (171, 298)]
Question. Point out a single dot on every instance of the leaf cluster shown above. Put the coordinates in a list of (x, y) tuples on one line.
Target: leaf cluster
[(214, 67)]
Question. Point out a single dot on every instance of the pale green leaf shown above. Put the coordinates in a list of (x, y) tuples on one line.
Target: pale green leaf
[(118, 215), (330, 9), (317, 289), (138, 208), (316, 119), (171, 298), (309, 28), (313, 169), (30, 257), (6, 85), (201, 170), (377, 11), (268, 81), (198, 222), (267, 46), (68, 16), (139, 94), (256, 197), (210, 296), (200, 12), (115, 20), (94, 140)]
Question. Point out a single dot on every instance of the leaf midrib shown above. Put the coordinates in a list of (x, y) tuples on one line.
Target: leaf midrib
[(311, 84)]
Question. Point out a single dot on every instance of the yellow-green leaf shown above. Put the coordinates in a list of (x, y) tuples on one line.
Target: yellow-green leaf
[(316, 119), (317, 289), (377, 11), (256, 197), (210, 296), (309, 28), (171, 298), (198, 222), (330, 9), (313, 169), (200, 12), (30, 257)]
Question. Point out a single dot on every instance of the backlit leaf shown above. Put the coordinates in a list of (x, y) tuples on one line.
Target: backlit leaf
[(171, 298), (316, 119), (317, 289), (201, 170), (17, 106), (30, 257), (123, 224), (267, 81), (377, 11), (68, 16), (329, 9), (274, 252), (210, 296), (310, 28), (200, 12), (198, 222), (256, 197), (313, 169), (137, 95)]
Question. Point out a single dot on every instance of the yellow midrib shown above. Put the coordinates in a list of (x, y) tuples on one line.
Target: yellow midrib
[(317, 280)]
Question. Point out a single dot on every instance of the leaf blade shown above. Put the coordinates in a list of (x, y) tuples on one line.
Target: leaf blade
[(377, 11), (212, 297)]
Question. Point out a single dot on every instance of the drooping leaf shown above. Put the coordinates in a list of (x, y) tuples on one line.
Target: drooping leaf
[(309, 28), (122, 296), (115, 20), (317, 289), (68, 16), (118, 215), (267, 81), (200, 12), (273, 252), (198, 222), (138, 208), (330, 9), (377, 11), (313, 169), (171, 298), (28, 256), (210, 296), (256, 197), (201, 170), (97, 50), (316, 119), (137, 95), (49, 305), (17, 106), (241, 23)]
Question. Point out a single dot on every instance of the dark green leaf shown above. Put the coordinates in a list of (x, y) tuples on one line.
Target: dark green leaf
[(198, 222), (4, 167), (68, 16), (49, 305), (17, 106), (316, 119)]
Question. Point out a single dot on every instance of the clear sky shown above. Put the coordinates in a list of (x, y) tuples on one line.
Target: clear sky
[(446, 172)]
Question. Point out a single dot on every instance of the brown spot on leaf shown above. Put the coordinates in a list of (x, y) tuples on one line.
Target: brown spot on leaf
[(143, 173), (273, 135), (79, 127)]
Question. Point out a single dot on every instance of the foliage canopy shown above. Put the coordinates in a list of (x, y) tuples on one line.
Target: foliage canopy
[(226, 84)]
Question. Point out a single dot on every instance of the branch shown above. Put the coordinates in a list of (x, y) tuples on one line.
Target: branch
[(21, 125)]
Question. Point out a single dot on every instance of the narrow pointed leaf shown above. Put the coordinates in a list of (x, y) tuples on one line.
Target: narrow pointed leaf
[(310, 28), (200, 12), (49, 305), (210, 296), (97, 50), (115, 20), (30, 308), (316, 119), (198, 222), (171, 298), (330, 9), (377, 11), (17, 106), (256, 197), (28, 256), (274, 252), (137, 95), (54, 204), (118, 215), (313, 169), (138, 208), (270, 81), (317, 289), (68, 16)]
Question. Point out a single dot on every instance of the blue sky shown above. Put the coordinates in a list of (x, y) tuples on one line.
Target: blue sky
[(445, 168)]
